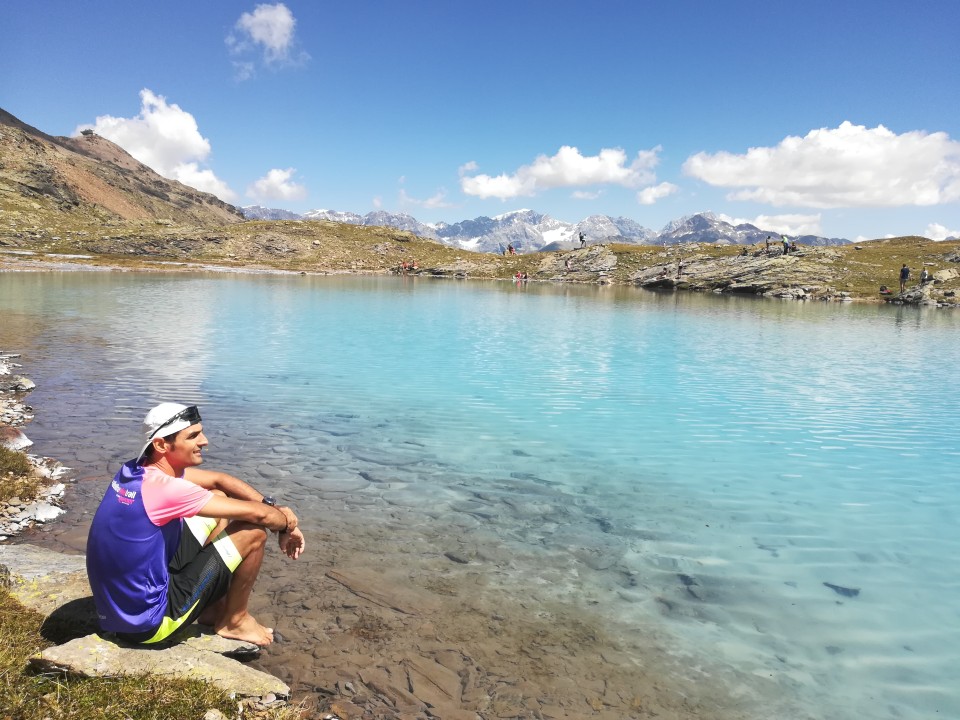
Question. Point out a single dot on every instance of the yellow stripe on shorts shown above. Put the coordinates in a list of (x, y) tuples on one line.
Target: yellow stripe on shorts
[(201, 527)]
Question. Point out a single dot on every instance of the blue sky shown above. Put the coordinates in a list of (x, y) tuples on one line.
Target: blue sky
[(836, 118)]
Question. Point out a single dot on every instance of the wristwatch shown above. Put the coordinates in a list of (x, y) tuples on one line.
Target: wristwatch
[(267, 500)]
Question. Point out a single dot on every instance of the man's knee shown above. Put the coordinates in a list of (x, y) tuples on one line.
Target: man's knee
[(247, 537)]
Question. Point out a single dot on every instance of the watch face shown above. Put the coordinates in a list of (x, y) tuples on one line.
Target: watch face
[(269, 501)]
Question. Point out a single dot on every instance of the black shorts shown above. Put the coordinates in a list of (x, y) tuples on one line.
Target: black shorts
[(199, 576)]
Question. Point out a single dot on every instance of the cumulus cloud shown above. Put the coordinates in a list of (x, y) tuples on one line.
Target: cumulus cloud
[(204, 179), (277, 185), (568, 168), (847, 166), (650, 195), (936, 231), (789, 224), (166, 138), (269, 34)]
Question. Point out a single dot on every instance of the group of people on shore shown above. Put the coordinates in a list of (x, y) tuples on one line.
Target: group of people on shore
[(789, 246), (925, 277)]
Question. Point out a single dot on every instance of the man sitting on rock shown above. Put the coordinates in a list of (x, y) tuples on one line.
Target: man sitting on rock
[(170, 543)]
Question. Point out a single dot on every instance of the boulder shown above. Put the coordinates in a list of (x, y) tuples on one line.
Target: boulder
[(14, 439)]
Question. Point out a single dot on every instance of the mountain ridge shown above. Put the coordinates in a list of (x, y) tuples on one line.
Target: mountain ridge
[(530, 231)]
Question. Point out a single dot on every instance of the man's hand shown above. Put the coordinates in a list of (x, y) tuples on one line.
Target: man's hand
[(292, 543), (290, 517)]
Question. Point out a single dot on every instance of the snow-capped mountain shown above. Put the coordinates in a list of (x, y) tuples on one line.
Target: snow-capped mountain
[(526, 230), (258, 212), (707, 227), (530, 231)]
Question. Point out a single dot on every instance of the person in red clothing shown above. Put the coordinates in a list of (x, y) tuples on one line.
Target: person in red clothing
[(171, 543)]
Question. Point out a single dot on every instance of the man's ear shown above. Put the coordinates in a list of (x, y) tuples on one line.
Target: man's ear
[(160, 446)]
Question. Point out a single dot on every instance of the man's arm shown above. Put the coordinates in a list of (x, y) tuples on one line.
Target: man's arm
[(236, 489), (227, 484), (252, 511)]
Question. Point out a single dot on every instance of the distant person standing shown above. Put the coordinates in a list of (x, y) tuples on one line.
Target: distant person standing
[(786, 244), (924, 277), (768, 245), (679, 267), (583, 239), (904, 276)]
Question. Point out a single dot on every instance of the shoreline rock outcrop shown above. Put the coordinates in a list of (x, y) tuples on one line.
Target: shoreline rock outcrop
[(16, 514)]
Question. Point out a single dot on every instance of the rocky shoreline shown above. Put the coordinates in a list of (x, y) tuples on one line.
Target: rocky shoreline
[(833, 274), (17, 515)]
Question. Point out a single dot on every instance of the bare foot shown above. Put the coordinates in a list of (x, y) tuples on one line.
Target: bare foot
[(246, 629)]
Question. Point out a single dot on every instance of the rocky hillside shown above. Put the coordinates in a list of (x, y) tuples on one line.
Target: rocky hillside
[(87, 180)]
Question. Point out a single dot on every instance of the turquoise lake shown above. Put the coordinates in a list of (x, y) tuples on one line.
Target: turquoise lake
[(772, 485)]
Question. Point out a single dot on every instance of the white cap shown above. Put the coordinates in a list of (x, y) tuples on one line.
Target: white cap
[(166, 419)]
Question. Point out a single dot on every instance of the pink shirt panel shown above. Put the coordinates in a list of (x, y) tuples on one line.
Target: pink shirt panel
[(167, 498)]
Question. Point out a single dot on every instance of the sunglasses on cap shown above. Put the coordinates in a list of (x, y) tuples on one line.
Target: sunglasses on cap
[(190, 415)]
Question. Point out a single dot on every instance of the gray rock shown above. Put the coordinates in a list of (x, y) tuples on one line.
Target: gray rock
[(14, 439), (94, 656), (22, 384), (44, 512)]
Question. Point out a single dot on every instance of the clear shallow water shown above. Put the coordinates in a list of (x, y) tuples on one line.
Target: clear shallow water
[(706, 463)]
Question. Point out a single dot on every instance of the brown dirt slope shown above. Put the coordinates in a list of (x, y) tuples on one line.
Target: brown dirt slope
[(90, 179)]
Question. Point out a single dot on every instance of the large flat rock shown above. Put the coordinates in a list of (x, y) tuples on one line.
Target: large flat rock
[(41, 579), (94, 656)]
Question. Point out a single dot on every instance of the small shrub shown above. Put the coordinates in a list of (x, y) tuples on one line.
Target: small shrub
[(17, 478), (13, 462)]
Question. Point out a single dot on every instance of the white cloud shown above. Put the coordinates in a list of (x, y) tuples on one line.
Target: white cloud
[(786, 224), (204, 179), (848, 166), (166, 138), (936, 231), (270, 33), (568, 168), (585, 194), (650, 195), (277, 185), (437, 200)]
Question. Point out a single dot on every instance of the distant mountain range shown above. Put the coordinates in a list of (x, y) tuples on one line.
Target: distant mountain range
[(530, 231)]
